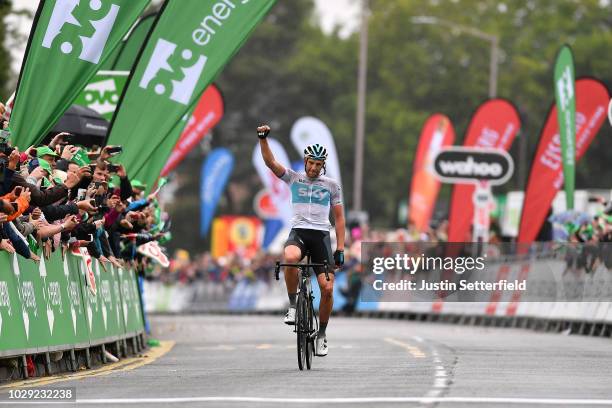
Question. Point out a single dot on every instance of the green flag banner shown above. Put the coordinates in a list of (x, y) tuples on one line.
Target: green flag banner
[(565, 97), (190, 43), (125, 54), (70, 40), (106, 87), (131, 48), (150, 173), (103, 92)]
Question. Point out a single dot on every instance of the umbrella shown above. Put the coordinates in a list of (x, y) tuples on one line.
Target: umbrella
[(570, 216), (88, 126)]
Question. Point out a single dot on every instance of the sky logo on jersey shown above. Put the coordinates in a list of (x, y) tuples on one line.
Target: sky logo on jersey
[(305, 194), (161, 69), (63, 17)]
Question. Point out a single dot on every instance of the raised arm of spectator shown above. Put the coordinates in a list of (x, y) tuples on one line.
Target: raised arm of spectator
[(19, 244), (124, 183), (9, 171), (49, 230)]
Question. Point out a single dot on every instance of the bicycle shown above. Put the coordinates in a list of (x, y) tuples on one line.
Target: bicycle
[(306, 322)]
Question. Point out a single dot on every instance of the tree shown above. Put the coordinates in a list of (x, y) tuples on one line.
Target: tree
[(5, 57), (258, 86), (289, 68)]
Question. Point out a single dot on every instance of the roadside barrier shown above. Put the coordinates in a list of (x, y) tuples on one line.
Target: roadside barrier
[(558, 298), (67, 303)]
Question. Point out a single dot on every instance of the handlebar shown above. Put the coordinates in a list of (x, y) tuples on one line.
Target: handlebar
[(301, 266)]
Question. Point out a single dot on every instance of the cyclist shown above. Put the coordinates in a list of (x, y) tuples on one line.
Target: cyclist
[(312, 196)]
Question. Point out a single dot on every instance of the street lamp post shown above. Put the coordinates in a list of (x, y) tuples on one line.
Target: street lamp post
[(361, 102), (493, 39)]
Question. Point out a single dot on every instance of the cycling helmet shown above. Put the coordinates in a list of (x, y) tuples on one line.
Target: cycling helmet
[(316, 152)]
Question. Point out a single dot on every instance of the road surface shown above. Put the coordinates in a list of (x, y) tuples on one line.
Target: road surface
[(235, 361)]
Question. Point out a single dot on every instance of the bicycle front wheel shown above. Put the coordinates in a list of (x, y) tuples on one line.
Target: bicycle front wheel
[(309, 332), (301, 327)]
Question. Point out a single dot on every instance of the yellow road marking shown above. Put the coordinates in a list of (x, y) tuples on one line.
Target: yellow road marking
[(263, 346), (122, 365), (413, 350)]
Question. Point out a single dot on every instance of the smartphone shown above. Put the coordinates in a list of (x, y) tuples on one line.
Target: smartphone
[(81, 194), (112, 168), (114, 149), (15, 206), (18, 190)]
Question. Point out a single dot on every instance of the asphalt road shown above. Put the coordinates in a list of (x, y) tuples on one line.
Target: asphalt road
[(235, 361)]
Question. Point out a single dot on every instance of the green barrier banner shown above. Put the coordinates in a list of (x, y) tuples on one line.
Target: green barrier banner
[(108, 302), (565, 97), (37, 322), (130, 301), (69, 42), (64, 302), (60, 313), (76, 301), (92, 302), (189, 45), (12, 329)]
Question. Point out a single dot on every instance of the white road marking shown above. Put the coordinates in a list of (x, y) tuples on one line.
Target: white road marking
[(440, 383), (423, 400)]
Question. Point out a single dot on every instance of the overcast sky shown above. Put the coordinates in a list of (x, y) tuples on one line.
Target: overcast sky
[(330, 13)]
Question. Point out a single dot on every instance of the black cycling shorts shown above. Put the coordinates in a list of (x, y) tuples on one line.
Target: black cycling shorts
[(315, 242)]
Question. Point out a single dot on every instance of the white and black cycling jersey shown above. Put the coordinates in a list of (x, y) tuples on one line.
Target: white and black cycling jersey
[(311, 199)]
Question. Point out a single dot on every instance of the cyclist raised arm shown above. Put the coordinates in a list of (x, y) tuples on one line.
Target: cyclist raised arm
[(276, 167), (313, 195)]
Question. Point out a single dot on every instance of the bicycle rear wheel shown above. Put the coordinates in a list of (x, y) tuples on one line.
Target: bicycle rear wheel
[(301, 324)]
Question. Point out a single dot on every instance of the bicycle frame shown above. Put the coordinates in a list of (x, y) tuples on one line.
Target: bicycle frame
[(306, 322)]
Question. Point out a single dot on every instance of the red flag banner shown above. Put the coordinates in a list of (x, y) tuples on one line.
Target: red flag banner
[(206, 115), (495, 125), (546, 176), (437, 132)]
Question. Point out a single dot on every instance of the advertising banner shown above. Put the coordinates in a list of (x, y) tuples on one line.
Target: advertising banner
[(69, 42), (233, 234), (565, 98), (103, 92), (216, 171), (494, 125), (546, 175), (47, 306), (206, 115), (424, 188), (309, 130), (279, 191), (188, 46)]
